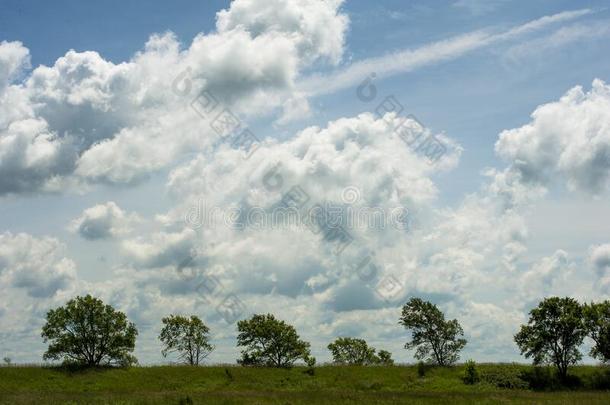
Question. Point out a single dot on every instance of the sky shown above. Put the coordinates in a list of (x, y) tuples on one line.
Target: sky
[(146, 149)]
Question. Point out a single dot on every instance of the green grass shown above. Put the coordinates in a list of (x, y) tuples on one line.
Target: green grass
[(329, 385)]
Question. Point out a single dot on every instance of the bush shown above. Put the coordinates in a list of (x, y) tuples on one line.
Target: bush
[(600, 380), (542, 378), (471, 373), (506, 376), (421, 369), (186, 401), (311, 364)]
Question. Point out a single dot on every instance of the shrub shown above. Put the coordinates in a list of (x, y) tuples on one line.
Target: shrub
[(186, 401), (421, 369), (311, 363), (542, 378), (471, 373), (600, 380), (385, 358), (506, 376)]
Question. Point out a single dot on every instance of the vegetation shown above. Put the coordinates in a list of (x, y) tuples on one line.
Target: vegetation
[(346, 350), (270, 342), (471, 373), (329, 385), (553, 334), (421, 369), (189, 337), (385, 358), (86, 332), (597, 319), (435, 339)]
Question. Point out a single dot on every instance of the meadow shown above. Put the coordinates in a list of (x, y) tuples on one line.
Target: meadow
[(500, 383)]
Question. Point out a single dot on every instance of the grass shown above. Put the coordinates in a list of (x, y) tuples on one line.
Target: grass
[(329, 385)]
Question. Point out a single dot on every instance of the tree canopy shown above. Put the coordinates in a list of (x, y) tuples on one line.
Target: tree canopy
[(554, 332), (597, 319), (188, 337), (270, 342), (347, 350), (435, 339), (87, 332)]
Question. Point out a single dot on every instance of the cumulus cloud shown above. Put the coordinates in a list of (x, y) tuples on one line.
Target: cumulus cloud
[(14, 57), (546, 277), (36, 265), (103, 221), (599, 258), (569, 138), (86, 119), (163, 249)]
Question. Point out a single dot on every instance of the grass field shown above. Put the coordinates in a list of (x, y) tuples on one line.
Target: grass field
[(329, 385)]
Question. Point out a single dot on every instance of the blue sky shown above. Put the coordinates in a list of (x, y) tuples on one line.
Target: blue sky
[(102, 159)]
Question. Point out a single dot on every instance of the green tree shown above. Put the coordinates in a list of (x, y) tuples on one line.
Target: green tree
[(597, 319), (188, 337), (471, 373), (385, 358), (553, 333), (270, 342), (346, 350), (87, 332), (435, 339)]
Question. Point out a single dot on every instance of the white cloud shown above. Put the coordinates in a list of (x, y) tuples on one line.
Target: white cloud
[(14, 57), (569, 137), (599, 259), (103, 221), (36, 265), (86, 119), (164, 249), (545, 278), (557, 39), (410, 59)]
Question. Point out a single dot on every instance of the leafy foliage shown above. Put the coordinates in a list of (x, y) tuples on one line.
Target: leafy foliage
[(270, 342), (553, 334), (421, 369), (346, 350), (87, 332), (434, 338), (189, 337), (505, 376), (471, 373), (597, 319), (310, 362), (385, 358)]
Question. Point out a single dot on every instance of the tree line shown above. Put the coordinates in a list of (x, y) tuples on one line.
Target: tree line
[(87, 332)]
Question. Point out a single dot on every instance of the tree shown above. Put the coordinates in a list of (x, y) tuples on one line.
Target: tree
[(189, 337), (385, 358), (434, 338), (346, 350), (87, 332), (553, 333), (270, 342), (597, 321)]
